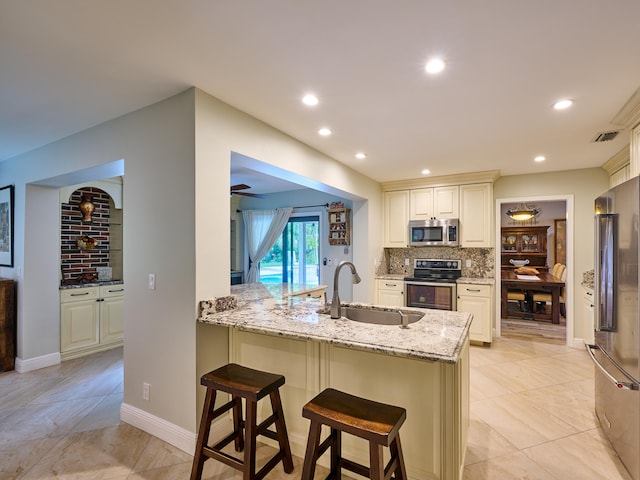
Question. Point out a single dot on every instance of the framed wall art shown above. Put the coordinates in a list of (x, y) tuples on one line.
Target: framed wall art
[(6, 226), (560, 228)]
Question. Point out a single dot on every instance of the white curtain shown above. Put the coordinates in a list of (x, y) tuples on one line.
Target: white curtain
[(263, 229)]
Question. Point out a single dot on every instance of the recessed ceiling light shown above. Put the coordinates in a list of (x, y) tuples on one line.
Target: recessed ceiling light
[(310, 100), (426, 171), (562, 104), (361, 155), (540, 158), (324, 132), (435, 65)]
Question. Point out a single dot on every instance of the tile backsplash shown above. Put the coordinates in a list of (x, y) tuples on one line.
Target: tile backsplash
[(392, 260)]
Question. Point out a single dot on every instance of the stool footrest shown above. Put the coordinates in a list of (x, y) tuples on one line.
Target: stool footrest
[(222, 457), (354, 467)]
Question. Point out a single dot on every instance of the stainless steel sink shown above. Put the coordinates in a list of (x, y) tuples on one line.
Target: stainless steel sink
[(380, 317)]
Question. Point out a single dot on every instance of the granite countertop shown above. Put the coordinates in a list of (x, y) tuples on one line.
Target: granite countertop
[(263, 308), (390, 276), (477, 280), (91, 284)]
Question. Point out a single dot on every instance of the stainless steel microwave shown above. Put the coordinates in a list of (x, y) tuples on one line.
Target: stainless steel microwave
[(436, 232)]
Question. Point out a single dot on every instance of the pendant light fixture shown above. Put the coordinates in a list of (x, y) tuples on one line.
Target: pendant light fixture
[(522, 213)]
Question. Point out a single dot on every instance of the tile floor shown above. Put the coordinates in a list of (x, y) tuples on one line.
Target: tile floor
[(531, 418)]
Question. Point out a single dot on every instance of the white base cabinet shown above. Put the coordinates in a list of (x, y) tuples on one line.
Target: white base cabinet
[(435, 395), (390, 292), (588, 314), (91, 319), (477, 300)]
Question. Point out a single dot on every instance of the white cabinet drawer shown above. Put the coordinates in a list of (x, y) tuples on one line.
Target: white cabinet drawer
[(111, 291), (474, 290), (78, 294), (397, 285)]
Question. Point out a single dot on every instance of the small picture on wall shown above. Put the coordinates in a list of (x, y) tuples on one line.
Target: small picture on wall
[(6, 226)]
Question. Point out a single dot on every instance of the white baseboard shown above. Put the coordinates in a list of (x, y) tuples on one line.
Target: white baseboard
[(158, 427), (30, 364)]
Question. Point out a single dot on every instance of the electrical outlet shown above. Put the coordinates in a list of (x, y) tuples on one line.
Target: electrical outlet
[(406, 261), (468, 264), (152, 281), (145, 391)]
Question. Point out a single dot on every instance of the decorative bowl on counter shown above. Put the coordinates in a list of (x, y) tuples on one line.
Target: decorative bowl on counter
[(85, 242), (518, 263)]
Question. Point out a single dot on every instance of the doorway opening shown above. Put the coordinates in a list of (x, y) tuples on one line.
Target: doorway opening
[(556, 214), (295, 256)]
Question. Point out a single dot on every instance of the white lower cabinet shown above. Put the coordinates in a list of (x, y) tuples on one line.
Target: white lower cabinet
[(587, 307), (390, 292), (477, 300), (91, 319), (435, 395)]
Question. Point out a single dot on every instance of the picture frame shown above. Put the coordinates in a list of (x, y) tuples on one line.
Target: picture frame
[(6, 226), (560, 241)]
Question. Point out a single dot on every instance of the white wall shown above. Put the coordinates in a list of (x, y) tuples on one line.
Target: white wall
[(176, 214), (585, 185)]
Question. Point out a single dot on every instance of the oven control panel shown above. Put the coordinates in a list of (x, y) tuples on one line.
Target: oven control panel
[(437, 263)]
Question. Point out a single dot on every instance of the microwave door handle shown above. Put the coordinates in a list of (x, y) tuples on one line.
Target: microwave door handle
[(604, 289), (618, 383)]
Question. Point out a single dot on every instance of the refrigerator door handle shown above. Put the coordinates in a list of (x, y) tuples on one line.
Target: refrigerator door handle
[(604, 294), (621, 385)]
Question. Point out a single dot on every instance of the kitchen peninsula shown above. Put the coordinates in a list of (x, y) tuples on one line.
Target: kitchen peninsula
[(424, 368)]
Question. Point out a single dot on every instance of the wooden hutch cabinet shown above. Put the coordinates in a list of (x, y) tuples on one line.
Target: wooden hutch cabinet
[(525, 243), (7, 325)]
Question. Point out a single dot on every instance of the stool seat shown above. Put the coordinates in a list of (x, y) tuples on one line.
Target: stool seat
[(376, 422), (251, 385)]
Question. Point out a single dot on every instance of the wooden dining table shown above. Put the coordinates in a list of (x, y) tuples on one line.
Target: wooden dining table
[(543, 282)]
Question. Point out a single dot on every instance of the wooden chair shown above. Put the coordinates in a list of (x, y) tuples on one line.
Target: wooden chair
[(542, 299), (519, 296), (251, 385), (378, 423)]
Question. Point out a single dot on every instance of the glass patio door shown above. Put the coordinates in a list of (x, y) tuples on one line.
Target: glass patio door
[(295, 256)]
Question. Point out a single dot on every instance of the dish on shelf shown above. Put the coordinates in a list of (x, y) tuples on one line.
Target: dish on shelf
[(86, 242), (518, 263)]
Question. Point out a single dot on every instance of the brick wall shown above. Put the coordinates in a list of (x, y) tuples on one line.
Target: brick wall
[(74, 261)]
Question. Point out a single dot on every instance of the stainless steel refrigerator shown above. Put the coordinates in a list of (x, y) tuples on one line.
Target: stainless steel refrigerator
[(617, 321)]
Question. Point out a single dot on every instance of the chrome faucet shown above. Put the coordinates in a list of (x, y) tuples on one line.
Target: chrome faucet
[(335, 301)]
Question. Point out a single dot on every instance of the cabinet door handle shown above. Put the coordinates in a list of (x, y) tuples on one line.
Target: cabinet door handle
[(79, 294), (100, 300), (118, 290), (391, 284), (472, 289)]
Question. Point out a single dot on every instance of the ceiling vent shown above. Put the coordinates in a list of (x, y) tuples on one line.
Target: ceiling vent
[(605, 136)]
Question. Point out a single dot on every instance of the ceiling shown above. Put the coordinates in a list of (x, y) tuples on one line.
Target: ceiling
[(71, 64)]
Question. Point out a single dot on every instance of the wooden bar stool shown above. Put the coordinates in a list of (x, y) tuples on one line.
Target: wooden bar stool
[(252, 385), (376, 422)]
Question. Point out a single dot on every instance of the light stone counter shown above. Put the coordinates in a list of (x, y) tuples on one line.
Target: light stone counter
[(269, 309), (390, 276), (477, 280)]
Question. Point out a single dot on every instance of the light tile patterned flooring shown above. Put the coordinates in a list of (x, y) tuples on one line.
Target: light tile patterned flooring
[(531, 418)]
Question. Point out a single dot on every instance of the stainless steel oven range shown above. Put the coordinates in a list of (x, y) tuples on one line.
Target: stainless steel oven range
[(433, 284)]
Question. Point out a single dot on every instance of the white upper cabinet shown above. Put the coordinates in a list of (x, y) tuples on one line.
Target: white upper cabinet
[(396, 219), (476, 219), (445, 202), (421, 207), (436, 202)]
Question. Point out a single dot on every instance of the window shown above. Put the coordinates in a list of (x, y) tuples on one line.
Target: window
[(295, 256)]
